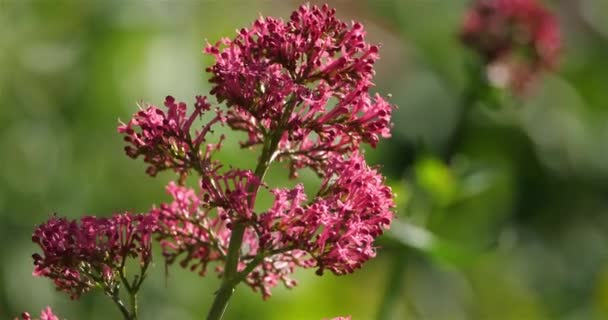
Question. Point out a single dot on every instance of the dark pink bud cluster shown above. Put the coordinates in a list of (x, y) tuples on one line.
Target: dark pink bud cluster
[(338, 228), (308, 78), (45, 314), (516, 38), (78, 255), (165, 140)]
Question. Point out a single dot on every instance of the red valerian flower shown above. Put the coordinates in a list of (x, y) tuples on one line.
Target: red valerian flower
[(516, 39), (79, 255), (165, 140), (46, 314), (299, 88), (306, 80), (338, 228), (335, 232)]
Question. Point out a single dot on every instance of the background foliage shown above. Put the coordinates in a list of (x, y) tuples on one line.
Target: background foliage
[(514, 227)]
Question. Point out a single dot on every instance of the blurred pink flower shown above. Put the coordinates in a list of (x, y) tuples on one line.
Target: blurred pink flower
[(516, 39)]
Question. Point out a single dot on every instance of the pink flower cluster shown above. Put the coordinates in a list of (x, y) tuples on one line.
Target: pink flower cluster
[(188, 231), (299, 88), (165, 140), (516, 38), (335, 231), (307, 78), (338, 228), (78, 255), (46, 314)]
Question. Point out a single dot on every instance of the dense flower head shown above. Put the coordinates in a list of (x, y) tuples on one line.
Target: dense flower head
[(165, 140), (45, 314), (516, 38), (338, 228), (305, 79), (78, 255)]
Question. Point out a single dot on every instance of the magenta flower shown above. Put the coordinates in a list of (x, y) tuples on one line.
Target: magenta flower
[(166, 140), (45, 314), (307, 78), (300, 89), (335, 232), (79, 255), (338, 228), (516, 39)]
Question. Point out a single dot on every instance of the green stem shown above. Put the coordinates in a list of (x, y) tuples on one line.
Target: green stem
[(133, 296), (231, 275), (121, 306), (220, 302)]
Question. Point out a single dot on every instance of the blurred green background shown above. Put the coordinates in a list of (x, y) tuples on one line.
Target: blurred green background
[(514, 226)]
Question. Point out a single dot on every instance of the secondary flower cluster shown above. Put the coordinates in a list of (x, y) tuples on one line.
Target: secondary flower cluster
[(165, 140), (516, 38), (337, 228), (46, 314), (79, 255), (306, 78)]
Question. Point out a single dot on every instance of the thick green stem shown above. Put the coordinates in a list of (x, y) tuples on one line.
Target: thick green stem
[(220, 302), (133, 296), (231, 275)]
